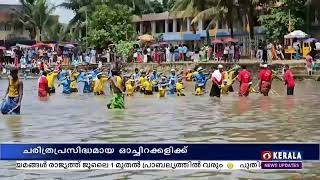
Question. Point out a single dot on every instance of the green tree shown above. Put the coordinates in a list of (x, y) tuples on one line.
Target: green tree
[(110, 24), (214, 10), (124, 49), (276, 21), (36, 16), (57, 32), (82, 9)]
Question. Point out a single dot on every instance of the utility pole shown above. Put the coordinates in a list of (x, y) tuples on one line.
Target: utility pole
[(87, 28)]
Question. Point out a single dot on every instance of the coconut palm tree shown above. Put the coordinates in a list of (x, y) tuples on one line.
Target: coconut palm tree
[(35, 16), (56, 32), (207, 10)]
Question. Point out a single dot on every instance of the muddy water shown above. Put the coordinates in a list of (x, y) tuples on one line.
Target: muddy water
[(84, 118)]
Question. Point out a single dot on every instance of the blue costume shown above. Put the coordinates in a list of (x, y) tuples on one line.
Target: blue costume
[(66, 86), (84, 77), (154, 77), (87, 86), (200, 79), (9, 106), (172, 83)]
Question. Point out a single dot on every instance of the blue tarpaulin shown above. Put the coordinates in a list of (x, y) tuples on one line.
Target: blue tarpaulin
[(181, 36)]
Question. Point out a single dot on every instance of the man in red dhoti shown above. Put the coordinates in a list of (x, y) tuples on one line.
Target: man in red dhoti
[(244, 78), (265, 76), (43, 85)]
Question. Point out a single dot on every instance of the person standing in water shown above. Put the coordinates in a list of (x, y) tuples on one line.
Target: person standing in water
[(216, 78), (172, 82), (88, 84), (289, 80), (66, 84), (99, 84), (154, 78), (14, 94), (74, 76), (200, 81), (244, 78), (43, 89), (265, 76), (117, 101), (51, 77)]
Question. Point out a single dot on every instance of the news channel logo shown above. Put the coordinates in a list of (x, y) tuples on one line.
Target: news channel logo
[(284, 155)]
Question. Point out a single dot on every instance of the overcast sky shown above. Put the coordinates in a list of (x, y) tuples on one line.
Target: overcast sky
[(65, 15)]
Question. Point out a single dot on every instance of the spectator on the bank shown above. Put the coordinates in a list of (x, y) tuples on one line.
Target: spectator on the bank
[(135, 55), (172, 51), (176, 54), (196, 56), (87, 58), (279, 51), (298, 49), (269, 51), (226, 53), (231, 53), (265, 54), (309, 64), (184, 51), (259, 55), (168, 54), (180, 50), (23, 64), (108, 55), (237, 53), (148, 54), (93, 56), (313, 50)]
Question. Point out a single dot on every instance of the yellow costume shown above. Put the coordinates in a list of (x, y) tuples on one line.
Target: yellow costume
[(198, 91), (51, 77), (13, 88), (129, 87), (74, 77), (189, 76), (147, 85), (229, 77), (162, 91), (141, 83), (99, 84), (179, 88), (224, 89)]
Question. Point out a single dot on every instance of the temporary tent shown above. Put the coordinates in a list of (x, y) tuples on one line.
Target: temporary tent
[(296, 34)]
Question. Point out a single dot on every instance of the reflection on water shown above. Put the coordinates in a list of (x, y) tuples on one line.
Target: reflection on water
[(85, 118), (15, 126)]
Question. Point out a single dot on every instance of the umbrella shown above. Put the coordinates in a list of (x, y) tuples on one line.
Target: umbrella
[(229, 39), (146, 38), (310, 40), (217, 41), (69, 46), (154, 45), (163, 43), (2, 48), (38, 45)]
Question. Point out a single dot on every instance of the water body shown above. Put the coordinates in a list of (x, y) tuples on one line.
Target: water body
[(85, 118)]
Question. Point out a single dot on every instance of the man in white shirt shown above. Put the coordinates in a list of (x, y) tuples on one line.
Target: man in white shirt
[(93, 56)]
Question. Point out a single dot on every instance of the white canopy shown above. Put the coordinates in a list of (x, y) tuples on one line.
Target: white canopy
[(296, 34)]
